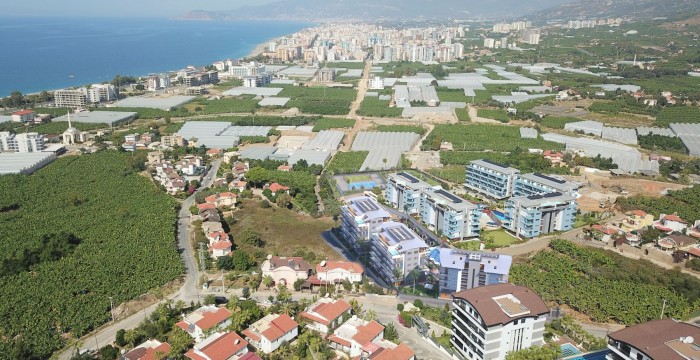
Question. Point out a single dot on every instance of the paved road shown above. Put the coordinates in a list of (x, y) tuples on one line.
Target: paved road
[(188, 292)]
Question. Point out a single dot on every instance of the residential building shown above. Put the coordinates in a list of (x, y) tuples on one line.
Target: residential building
[(21, 143), (403, 192), (155, 157), (489, 43), (637, 220), (225, 199), (450, 215), (333, 272), (70, 98), (148, 350), (219, 346), (326, 314), (326, 75), (554, 157), (172, 141), (249, 69), (23, 116), (463, 269), (395, 251), (376, 83), (219, 244), (238, 185), (356, 334), (539, 184), (676, 242), (286, 270), (490, 321), (534, 215), (490, 178), (206, 318), (671, 223), (664, 339), (102, 93), (359, 218), (270, 332), (387, 350), (278, 188)]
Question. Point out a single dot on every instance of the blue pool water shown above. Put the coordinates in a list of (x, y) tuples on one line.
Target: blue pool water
[(501, 216), (569, 350), (367, 185), (600, 355)]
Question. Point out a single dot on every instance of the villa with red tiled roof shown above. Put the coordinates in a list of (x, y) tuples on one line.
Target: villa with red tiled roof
[(219, 346), (149, 350), (208, 317), (636, 220), (286, 270), (554, 157), (239, 185), (270, 332), (326, 314), (354, 334), (671, 223), (205, 206), (338, 271), (222, 199), (23, 116), (276, 187)]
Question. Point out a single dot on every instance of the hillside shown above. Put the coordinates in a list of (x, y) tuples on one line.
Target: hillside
[(631, 9), (321, 10)]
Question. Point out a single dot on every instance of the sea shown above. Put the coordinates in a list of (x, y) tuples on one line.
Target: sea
[(51, 53)]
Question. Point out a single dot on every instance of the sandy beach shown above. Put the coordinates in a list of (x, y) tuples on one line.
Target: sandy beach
[(263, 47)]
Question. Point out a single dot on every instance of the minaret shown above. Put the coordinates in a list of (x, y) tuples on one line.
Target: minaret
[(69, 124)]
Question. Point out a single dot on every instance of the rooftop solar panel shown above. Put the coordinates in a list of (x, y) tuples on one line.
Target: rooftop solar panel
[(558, 181), (409, 177), (450, 196), (367, 205), (494, 163)]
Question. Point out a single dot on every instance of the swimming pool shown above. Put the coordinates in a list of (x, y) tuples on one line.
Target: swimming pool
[(569, 349), (600, 355), (499, 215)]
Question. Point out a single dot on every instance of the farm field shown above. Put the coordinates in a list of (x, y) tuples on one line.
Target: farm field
[(373, 107), (319, 100), (330, 123), (111, 232), (483, 137), (347, 162)]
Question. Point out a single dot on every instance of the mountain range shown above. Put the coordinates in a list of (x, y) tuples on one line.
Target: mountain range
[(631, 9), (367, 10)]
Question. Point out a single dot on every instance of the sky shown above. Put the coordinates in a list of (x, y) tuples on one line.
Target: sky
[(118, 8)]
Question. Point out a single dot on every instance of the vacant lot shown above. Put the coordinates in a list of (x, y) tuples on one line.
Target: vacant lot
[(282, 230)]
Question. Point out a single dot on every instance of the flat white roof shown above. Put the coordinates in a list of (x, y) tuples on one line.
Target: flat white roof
[(257, 91), (99, 117)]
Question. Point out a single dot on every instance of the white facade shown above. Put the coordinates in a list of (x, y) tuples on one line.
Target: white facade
[(376, 83), (338, 271), (21, 143), (360, 216), (395, 250)]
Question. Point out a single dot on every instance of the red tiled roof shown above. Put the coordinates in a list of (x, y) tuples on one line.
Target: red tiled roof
[(694, 251), (285, 323), (163, 349), (220, 234), (339, 340), (639, 213), (222, 348), (251, 334), (183, 325), (604, 229), (346, 265), (221, 245), (327, 311), (673, 217), (229, 195), (213, 318), (401, 352), (23, 112), (250, 356), (367, 333), (205, 206), (275, 187), (662, 228), (211, 199)]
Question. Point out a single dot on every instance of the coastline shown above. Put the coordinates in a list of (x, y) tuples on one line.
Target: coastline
[(261, 48)]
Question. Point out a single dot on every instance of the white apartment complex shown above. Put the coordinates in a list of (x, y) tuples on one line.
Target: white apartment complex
[(21, 143), (395, 251), (490, 321), (360, 217)]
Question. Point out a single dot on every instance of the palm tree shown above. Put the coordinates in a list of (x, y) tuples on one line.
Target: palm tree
[(267, 281)]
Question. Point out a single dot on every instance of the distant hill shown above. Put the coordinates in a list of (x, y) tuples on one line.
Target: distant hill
[(320, 10), (632, 9)]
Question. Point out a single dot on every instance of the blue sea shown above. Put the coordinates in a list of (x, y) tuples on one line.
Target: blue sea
[(51, 53)]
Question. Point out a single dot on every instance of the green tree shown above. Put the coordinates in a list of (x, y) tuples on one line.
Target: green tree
[(250, 237), (209, 300), (225, 263), (119, 338), (241, 260), (347, 285), (283, 294), (298, 283), (257, 176), (550, 351), (179, 341), (245, 292), (284, 201), (267, 281), (390, 332), (109, 352)]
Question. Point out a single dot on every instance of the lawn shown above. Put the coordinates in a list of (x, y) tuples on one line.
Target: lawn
[(500, 238), (473, 245), (282, 230)]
